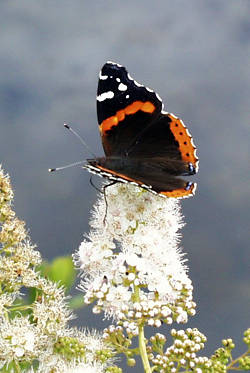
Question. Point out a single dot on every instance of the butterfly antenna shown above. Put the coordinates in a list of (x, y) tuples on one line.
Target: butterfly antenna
[(67, 166), (80, 138)]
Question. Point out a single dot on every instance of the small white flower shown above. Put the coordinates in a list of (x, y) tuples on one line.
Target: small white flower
[(131, 277), (182, 318), (157, 323), (19, 351)]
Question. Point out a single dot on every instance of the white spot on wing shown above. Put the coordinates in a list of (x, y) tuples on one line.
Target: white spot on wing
[(194, 188), (118, 80), (103, 77), (197, 166), (122, 87), (182, 123), (174, 116), (127, 96), (105, 95), (114, 63), (159, 98), (138, 84)]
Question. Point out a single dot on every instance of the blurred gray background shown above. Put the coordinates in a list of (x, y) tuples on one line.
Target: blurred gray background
[(196, 55)]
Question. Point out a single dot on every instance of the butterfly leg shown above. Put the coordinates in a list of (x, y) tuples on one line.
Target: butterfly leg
[(105, 199), (94, 186)]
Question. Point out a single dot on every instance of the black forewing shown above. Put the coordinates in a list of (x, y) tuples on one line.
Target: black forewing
[(118, 139)]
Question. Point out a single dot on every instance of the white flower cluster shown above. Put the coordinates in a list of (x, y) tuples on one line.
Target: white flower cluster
[(130, 263), (37, 332)]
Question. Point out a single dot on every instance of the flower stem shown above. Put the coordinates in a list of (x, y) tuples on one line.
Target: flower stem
[(17, 366), (143, 351), (232, 366), (142, 344)]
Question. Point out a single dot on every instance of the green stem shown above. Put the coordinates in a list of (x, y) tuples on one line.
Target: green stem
[(17, 366), (143, 351), (233, 362), (20, 308), (142, 344)]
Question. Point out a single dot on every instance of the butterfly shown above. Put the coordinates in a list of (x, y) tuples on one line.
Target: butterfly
[(143, 144)]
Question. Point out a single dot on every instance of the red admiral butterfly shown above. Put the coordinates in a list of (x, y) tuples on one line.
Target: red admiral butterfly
[(143, 144)]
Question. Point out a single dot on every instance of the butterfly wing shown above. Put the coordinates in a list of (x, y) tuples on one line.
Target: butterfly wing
[(164, 151), (124, 108)]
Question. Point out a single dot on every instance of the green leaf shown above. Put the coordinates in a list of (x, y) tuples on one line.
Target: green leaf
[(62, 270), (77, 302)]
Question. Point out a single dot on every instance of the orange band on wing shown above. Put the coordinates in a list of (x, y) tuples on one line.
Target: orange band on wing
[(184, 139), (146, 107), (180, 193)]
